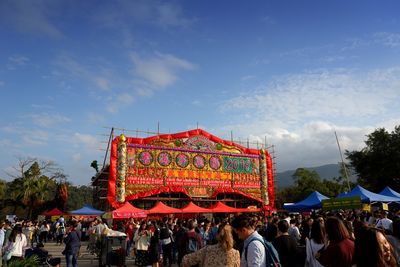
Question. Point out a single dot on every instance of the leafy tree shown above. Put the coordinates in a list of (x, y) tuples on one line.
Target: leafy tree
[(378, 164), (33, 185), (78, 196), (95, 165), (306, 182)]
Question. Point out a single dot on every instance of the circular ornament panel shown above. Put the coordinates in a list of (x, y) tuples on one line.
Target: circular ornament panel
[(215, 163), (164, 159), (182, 160), (146, 158), (199, 161)]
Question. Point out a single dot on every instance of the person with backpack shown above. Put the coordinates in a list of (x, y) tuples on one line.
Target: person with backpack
[(190, 242), (257, 251), (166, 241)]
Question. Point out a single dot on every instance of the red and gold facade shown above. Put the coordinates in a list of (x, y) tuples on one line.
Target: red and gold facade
[(193, 163)]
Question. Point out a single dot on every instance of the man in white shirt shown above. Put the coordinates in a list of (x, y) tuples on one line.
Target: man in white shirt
[(385, 223), (254, 253)]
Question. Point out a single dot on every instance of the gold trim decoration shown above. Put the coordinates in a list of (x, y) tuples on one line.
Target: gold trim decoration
[(263, 176), (122, 167), (231, 149)]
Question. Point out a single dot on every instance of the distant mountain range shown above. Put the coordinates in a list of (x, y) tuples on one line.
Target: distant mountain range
[(329, 171)]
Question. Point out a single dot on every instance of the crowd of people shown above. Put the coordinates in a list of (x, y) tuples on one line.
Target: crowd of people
[(23, 238), (354, 238)]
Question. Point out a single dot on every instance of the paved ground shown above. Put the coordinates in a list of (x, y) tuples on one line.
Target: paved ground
[(85, 260)]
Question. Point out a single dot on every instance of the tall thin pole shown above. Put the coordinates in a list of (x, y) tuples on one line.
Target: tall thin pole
[(108, 146), (344, 165)]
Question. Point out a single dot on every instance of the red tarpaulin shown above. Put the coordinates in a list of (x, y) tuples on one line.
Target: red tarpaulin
[(161, 208), (193, 208), (54, 212), (221, 207), (128, 211)]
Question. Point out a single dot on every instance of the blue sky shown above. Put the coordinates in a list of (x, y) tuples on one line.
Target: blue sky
[(288, 71)]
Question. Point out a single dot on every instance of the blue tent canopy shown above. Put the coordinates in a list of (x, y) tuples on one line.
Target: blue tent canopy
[(313, 201), (87, 210), (390, 193), (367, 196)]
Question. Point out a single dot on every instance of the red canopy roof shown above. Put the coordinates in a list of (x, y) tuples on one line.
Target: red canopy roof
[(193, 208), (128, 211), (161, 208), (54, 212), (221, 207)]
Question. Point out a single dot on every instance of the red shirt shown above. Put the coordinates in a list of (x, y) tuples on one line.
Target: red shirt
[(338, 254)]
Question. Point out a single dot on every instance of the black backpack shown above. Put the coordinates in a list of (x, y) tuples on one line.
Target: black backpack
[(164, 233)]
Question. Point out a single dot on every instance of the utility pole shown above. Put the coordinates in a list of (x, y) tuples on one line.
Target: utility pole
[(344, 165)]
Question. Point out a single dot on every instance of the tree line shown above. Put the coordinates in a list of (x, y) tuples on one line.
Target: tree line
[(376, 166), (37, 186)]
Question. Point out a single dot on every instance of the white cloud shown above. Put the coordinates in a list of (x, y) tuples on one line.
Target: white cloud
[(96, 75), (28, 137), (322, 94), (158, 71), (47, 120), (30, 17), (17, 61), (387, 39), (88, 141), (299, 113), (159, 13), (95, 118), (35, 138), (76, 157)]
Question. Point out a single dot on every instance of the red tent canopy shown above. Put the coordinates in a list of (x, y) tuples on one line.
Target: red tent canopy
[(221, 207), (193, 208), (128, 211), (54, 212), (161, 208)]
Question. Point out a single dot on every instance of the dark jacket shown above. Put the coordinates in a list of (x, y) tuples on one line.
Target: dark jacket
[(73, 242)]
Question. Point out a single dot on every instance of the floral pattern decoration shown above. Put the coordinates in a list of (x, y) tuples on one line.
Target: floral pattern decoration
[(199, 161), (164, 159), (146, 158), (182, 160), (215, 163)]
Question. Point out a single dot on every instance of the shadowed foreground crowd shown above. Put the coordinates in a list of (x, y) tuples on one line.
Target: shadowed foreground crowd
[(352, 238)]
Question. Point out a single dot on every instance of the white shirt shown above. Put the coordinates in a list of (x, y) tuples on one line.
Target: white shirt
[(19, 245), (385, 223), (255, 253)]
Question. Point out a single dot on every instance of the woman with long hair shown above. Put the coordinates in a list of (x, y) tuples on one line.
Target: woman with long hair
[(142, 240), (16, 243), (220, 255), (372, 249), (394, 238), (315, 243), (339, 249)]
